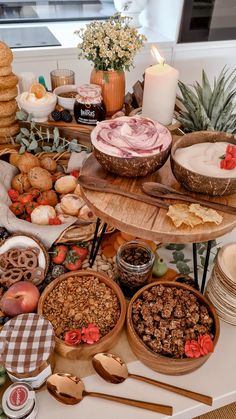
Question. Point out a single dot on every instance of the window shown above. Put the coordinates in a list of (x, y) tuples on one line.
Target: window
[(12, 11)]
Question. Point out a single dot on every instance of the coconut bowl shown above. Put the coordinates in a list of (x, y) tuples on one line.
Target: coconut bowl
[(196, 182), (165, 364), (84, 350), (134, 166)]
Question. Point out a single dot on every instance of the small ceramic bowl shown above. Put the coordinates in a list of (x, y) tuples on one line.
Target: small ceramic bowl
[(40, 109), (66, 102)]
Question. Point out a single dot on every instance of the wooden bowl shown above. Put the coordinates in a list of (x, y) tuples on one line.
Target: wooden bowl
[(134, 166), (196, 182), (83, 350), (161, 363)]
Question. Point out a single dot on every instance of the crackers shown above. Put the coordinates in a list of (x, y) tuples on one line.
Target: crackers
[(193, 215)]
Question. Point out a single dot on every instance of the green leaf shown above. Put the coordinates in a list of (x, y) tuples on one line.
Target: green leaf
[(178, 255), (21, 115), (202, 259), (174, 246), (46, 148), (22, 149), (33, 145), (25, 142), (182, 267), (18, 138), (25, 131)]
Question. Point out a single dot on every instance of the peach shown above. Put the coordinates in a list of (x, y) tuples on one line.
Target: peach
[(20, 298)]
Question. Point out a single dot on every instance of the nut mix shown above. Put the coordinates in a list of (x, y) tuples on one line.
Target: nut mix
[(166, 317), (78, 301)]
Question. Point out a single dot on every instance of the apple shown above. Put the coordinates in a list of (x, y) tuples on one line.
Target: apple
[(21, 297)]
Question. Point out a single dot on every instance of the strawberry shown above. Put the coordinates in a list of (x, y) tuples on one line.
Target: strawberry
[(30, 206), (82, 252), (34, 192), (54, 221), (13, 194), (25, 217), (25, 198), (42, 201), (73, 261), (231, 149), (75, 173), (59, 253), (17, 208)]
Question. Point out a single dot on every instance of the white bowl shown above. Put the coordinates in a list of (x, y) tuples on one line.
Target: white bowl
[(66, 102), (40, 109)]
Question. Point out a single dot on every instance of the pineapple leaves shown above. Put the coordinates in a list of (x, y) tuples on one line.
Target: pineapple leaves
[(210, 108)]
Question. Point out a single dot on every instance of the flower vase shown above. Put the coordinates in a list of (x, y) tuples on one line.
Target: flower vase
[(113, 88)]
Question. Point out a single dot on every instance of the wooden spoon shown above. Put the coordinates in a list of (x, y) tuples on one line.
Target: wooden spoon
[(69, 389), (102, 185), (163, 191), (114, 370)]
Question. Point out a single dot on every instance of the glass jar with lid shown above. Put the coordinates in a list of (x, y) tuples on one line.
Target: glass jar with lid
[(89, 107), (134, 261)]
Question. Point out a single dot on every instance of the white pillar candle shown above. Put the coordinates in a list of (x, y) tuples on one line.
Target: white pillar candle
[(160, 86)]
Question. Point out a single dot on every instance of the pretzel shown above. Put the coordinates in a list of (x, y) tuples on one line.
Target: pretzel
[(13, 257), (11, 276), (27, 259), (36, 275), (34, 249), (4, 262)]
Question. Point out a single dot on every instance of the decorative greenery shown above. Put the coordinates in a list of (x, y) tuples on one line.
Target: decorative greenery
[(110, 44), (182, 263), (209, 108), (36, 140)]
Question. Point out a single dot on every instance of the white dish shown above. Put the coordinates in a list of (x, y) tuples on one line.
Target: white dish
[(66, 102)]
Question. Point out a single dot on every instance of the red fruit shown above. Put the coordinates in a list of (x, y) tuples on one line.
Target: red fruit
[(82, 252), (17, 208), (25, 217), (54, 221), (42, 201), (231, 149), (75, 173), (34, 192), (13, 194), (25, 198), (59, 254), (73, 261), (30, 206)]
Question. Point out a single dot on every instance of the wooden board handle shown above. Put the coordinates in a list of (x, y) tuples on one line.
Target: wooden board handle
[(181, 391), (159, 408)]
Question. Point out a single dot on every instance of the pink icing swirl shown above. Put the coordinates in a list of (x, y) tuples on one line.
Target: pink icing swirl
[(128, 137)]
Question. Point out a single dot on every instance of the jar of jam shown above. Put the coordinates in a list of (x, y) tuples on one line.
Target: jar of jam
[(89, 107), (26, 349), (19, 402), (134, 261)]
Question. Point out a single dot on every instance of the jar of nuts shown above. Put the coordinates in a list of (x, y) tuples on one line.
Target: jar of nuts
[(134, 261)]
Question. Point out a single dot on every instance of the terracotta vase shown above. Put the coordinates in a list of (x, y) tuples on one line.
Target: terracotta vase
[(113, 88)]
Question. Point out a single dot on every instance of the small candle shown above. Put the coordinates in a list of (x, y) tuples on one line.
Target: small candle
[(160, 86)]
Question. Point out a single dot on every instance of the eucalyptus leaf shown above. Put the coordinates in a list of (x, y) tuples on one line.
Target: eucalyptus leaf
[(33, 145), (22, 149), (18, 138), (21, 115), (25, 131), (182, 267), (46, 148), (25, 142)]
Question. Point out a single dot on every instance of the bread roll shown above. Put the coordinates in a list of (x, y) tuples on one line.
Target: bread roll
[(7, 108), (7, 82), (8, 94), (8, 120), (9, 131), (5, 71), (6, 55)]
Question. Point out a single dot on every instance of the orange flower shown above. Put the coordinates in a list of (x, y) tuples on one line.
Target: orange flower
[(90, 334), (206, 344), (192, 349)]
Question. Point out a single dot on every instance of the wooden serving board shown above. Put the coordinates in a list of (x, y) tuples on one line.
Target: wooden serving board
[(145, 220)]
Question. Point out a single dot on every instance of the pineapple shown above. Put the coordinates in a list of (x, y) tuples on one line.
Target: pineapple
[(209, 108)]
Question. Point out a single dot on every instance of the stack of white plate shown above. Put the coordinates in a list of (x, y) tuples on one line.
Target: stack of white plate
[(221, 287)]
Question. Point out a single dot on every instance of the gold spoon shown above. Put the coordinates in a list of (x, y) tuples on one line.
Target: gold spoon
[(69, 389), (114, 370)]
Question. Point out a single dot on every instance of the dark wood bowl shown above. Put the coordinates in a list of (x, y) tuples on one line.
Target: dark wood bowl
[(83, 350), (195, 182), (161, 363), (135, 166)]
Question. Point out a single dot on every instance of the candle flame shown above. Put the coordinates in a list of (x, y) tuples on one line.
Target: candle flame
[(157, 55)]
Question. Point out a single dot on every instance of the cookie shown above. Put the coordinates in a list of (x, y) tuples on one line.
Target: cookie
[(12, 129), (6, 56), (8, 120), (5, 71), (8, 94), (7, 82), (7, 108)]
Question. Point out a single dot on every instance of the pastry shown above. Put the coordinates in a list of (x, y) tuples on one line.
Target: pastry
[(5, 71), (8, 94), (7, 82), (12, 129), (7, 108), (8, 120), (6, 55)]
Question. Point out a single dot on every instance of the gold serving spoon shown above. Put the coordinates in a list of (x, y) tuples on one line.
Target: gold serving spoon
[(69, 389), (114, 370)]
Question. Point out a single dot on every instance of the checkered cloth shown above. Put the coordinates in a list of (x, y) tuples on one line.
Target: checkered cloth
[(25, 342)]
